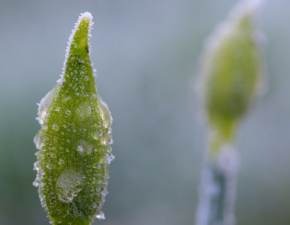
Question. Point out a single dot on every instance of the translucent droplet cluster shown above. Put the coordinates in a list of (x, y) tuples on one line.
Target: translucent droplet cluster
[(74, 142)]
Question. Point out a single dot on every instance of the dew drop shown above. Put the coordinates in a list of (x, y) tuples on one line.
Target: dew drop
[(105, 114), (67, 112), (43, 106), (106, 139), (81, 149), (94, 205), (105, 192), (69, 184), (84, 111), (37, 141), (60, 162), (66, 98), (35, 183), (81, 61), (110, 158), (37, 154), (48, 166), (55, 127), (99, 165), (74, 45), (36, 166), (39, 174), (85, 147), (52, 155), (101, 216), (96, 135), (60, 80)]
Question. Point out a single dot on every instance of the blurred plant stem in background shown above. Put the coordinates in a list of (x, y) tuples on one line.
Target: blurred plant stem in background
[(231, 73), (217, 197)]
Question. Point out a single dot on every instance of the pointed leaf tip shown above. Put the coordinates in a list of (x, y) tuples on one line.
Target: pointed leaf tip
[(86, 15), (246, 8), (80, 35), (77, 66)]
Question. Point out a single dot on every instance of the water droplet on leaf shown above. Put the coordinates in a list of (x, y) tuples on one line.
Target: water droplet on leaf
[(37, 141), (69, 184), (43, 106), (55, 127), (105, 114), (101, 216), (110, 158), (85, 147)]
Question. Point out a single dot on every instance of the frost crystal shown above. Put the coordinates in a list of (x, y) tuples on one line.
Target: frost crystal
[(101, 216), (110, 158), (43, 106)]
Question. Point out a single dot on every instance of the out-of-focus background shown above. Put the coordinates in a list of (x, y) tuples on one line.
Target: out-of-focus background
[(147, 56)]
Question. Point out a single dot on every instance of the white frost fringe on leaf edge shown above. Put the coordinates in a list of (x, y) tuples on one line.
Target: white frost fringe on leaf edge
[(82, 16)]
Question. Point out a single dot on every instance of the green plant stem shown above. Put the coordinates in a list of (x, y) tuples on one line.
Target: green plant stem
[(218, 187)]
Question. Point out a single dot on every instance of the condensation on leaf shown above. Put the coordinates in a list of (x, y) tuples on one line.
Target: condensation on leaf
[(110, 158), (105, 114), (85, 147), (37, 140), (69, 184), (44, 105), (101, 216), (84, 111)]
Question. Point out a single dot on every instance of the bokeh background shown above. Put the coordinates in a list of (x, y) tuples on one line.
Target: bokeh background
[(147, 56)]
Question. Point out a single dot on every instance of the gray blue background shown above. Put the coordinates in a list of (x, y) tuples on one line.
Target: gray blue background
[(147, 53)]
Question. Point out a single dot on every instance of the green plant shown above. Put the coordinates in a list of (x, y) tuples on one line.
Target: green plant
[(74, 139), (231, 74)]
